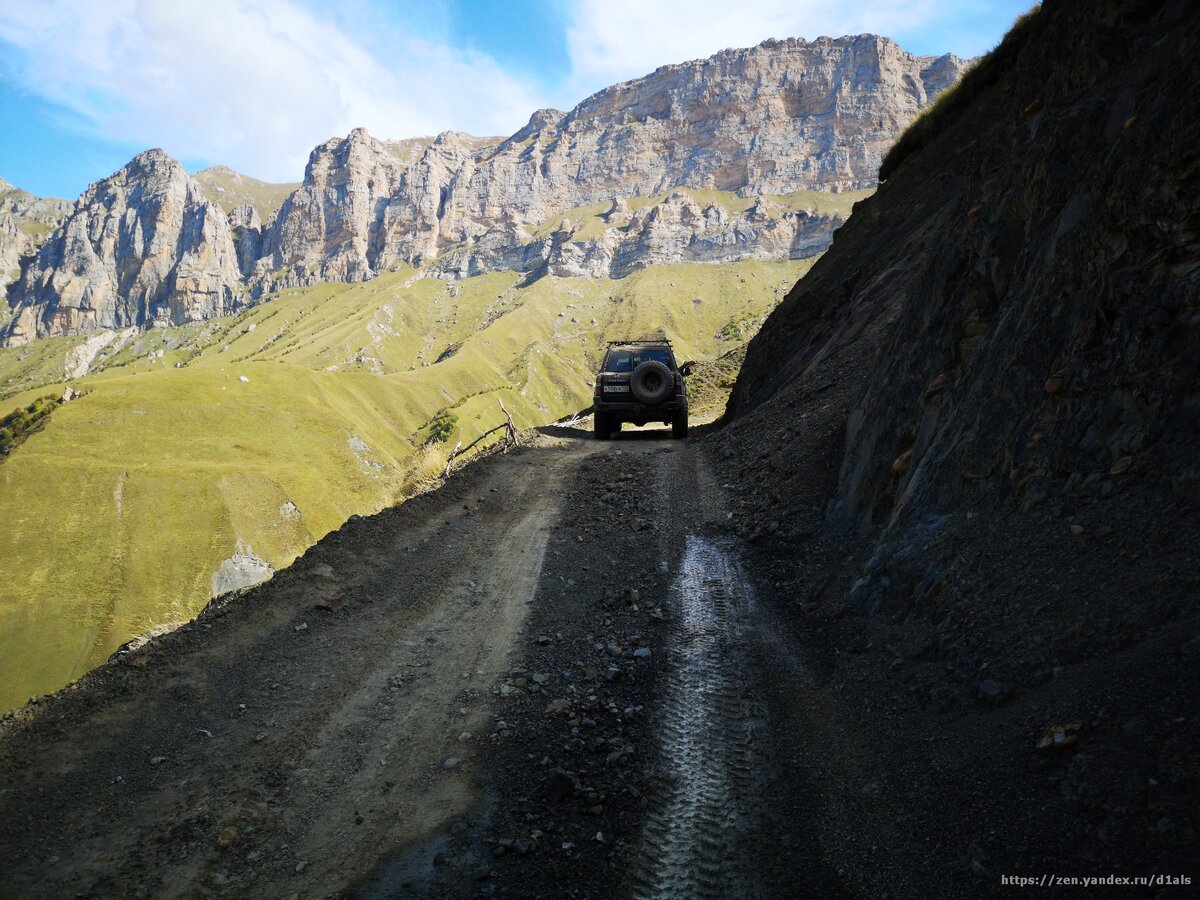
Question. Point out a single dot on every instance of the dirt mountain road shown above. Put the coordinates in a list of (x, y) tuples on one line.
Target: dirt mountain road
[(561, 675), (536, 681)]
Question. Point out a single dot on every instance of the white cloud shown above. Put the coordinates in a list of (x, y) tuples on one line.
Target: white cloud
[(615, 40), (254, 84)]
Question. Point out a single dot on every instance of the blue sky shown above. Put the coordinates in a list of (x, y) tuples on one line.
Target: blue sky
[(255, 84)]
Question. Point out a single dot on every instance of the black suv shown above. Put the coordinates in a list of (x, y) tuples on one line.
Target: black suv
[(639, 382)]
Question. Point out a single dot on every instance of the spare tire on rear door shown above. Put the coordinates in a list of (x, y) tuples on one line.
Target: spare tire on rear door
[(652, 382)]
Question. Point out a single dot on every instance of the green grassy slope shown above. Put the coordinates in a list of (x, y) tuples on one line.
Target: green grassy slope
[(118, 512), (227, 188)]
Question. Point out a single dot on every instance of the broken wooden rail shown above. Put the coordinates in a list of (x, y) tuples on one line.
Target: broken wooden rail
[(510, 439)]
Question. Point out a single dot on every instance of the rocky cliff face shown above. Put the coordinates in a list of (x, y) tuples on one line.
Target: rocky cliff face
[(781, 117), (707, 161), (25, 222), (143, 247)]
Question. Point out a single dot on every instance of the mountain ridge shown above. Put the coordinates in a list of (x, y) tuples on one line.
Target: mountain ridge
[(759, 122)]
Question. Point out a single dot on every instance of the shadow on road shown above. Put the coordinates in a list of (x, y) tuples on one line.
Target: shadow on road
[(627, 434)]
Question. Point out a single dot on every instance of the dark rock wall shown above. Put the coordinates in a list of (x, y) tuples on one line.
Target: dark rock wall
[(1035, 273)]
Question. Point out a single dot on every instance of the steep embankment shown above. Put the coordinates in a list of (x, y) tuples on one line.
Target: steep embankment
[(203, 457), (976, 424)]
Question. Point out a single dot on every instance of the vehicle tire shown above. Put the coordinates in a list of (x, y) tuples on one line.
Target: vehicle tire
[(601, 426), (679, 425), (652, 382)]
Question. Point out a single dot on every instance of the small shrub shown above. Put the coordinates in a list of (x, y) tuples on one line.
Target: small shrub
[(18, 425), (441, 426)]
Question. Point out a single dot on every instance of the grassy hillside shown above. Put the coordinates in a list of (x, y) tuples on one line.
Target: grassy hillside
[(263, 432), (228, 189)]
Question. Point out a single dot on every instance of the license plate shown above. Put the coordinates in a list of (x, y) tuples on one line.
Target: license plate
[(616, 388)]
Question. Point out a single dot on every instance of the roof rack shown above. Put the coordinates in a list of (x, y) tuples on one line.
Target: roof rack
[(642, 341)]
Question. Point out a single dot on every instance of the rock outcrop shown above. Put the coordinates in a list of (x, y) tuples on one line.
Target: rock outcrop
[(143, 247), (247, 229), (25, 222)]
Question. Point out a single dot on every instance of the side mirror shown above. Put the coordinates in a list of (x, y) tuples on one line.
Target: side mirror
[(686, 369)]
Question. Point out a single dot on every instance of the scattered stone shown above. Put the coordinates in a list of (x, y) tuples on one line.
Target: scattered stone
[(157, 760), (558, 707), (451, 763), (303, 626), (642, 652), (464, 737), (1121, 466), (1076, 529), (301, 866), (1057, 738), (227, 836)]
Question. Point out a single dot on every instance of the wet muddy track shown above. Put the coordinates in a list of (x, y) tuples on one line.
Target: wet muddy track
[(661, 777), (709, 734)]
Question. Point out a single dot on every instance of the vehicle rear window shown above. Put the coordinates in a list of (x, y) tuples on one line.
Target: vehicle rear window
[(660, 354), (618, 361), (628, 360)]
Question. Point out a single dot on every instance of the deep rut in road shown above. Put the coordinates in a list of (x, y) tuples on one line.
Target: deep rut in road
[(710, 722)]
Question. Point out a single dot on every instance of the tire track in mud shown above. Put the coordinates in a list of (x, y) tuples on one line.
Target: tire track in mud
[(708, 738)]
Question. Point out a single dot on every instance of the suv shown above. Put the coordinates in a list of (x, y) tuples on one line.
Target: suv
[(639, 382)]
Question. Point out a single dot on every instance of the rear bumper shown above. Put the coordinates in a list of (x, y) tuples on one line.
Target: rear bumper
[(631, 410)]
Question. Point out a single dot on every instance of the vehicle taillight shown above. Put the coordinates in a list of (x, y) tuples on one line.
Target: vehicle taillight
[(678, 386), (599, 385)]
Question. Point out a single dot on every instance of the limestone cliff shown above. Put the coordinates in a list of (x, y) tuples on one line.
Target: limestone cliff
[(715, 160), (782, 117), (143, 247)]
